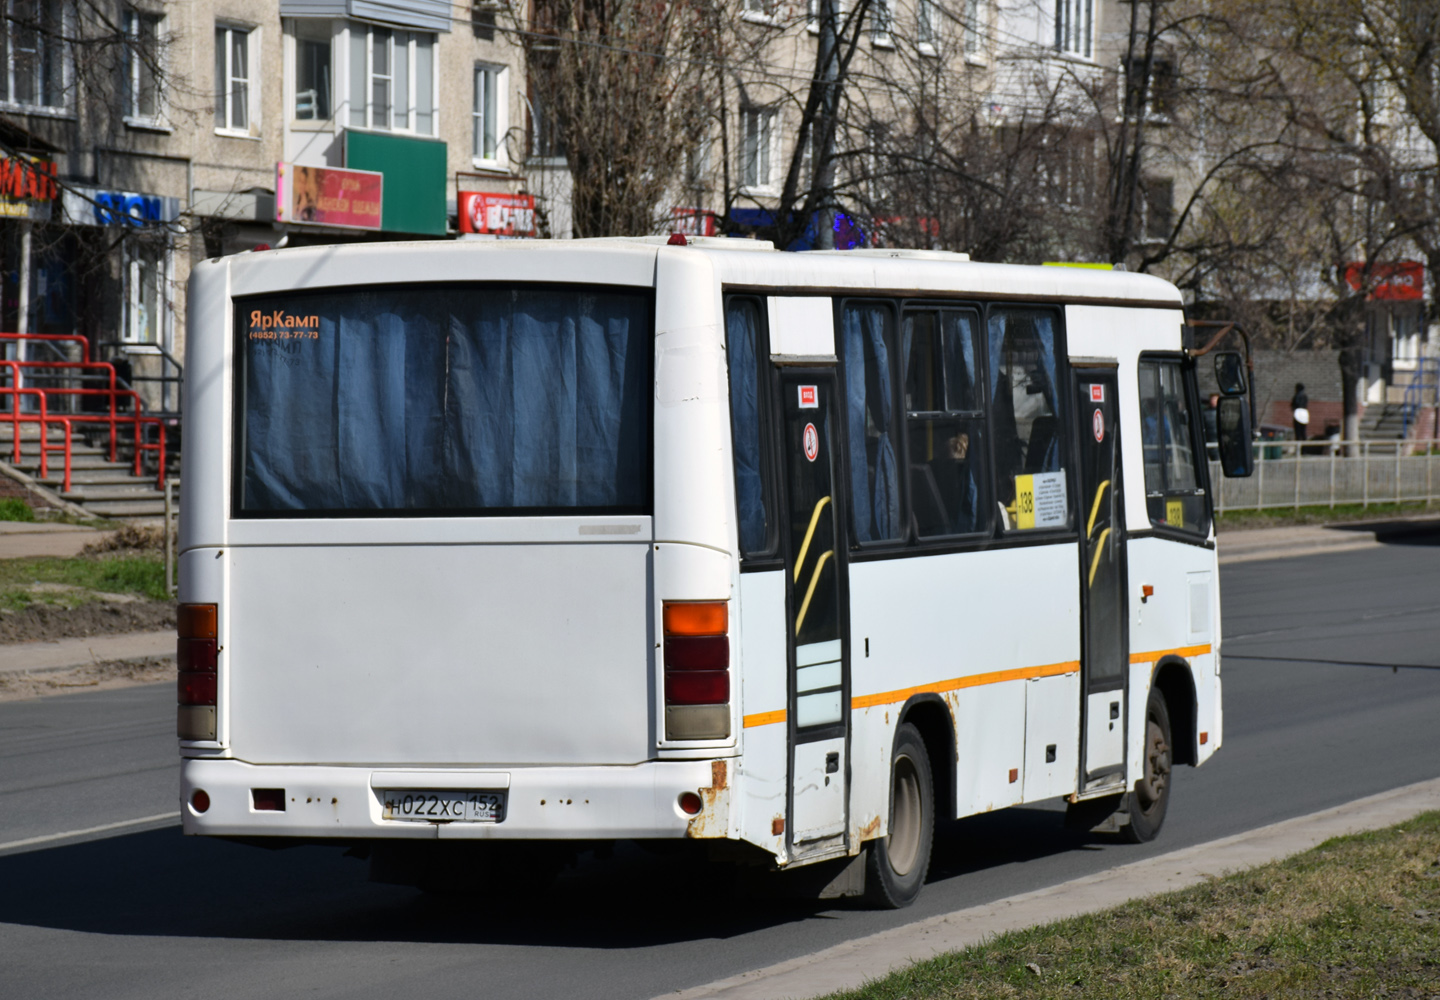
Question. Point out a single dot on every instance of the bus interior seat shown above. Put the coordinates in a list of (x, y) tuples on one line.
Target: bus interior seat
[(928, 507), (1042, 433)]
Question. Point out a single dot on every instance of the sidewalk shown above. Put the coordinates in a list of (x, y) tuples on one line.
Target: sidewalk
[(64, 654), (1249, 544), (853, 963), (19, 539)]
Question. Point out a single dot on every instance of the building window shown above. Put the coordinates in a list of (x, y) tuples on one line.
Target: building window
[(32, 34), (1159, 204), (392, 79), (926, 23), (1158, 98), (142, 65), (1074, 26), (757, 169), (882, 19), (757, 10), (487, 113), (232, 79), (147, 265), (974, 28), (312, 73)]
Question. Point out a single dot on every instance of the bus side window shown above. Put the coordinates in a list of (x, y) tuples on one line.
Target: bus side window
[(1174, 496), (1028, 433), (746, 348), (867, 348), (944, 423)]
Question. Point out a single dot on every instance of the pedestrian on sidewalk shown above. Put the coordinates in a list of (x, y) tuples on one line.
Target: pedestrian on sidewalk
[(1300, 411)]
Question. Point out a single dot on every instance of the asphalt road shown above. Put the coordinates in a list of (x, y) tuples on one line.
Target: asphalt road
[(1315, 716)]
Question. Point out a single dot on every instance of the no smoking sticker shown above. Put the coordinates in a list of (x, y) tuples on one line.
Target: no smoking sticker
[(811, 440), (1099, 425)]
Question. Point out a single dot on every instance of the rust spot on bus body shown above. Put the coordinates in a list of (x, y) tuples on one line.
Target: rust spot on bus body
[(870, 830), (714, 816)]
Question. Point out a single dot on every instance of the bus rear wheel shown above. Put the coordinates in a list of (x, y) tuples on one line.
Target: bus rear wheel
[(897, 863), (1151, 796)]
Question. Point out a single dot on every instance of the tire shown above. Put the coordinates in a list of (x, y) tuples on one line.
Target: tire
[(1151, 796), (896, 864)]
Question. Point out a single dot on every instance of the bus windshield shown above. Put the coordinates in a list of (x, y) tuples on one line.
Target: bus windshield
[(445, 400)]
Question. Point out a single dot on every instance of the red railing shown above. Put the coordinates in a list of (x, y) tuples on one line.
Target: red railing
[(136, 417)]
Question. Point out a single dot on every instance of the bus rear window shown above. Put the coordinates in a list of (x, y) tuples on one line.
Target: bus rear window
[(444, 400)]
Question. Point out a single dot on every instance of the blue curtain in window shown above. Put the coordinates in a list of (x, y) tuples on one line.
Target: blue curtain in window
[(450, 399), (874, 496), (1044, 326), (742, 334)]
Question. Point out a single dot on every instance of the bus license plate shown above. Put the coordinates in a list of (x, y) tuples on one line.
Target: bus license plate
[(441, 807)]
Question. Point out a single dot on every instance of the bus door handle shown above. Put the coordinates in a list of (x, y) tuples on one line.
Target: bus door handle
[(832, 762)]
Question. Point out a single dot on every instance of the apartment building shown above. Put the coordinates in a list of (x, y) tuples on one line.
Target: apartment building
[(138, 138)]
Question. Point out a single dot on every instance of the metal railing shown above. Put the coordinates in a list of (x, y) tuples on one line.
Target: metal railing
[(55, 407), (1326, 474), (1425, 378)]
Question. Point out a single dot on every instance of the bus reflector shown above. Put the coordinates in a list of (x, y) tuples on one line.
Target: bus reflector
[(700, 652), (690, 803), (200, 801), (697, 617), (196, 621), (196, 654), (268, 799), (697, 687), (196, 688)]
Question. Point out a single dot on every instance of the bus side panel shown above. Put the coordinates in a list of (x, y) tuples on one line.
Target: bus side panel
[(205, 447), (761, 610), (1052, 730), (960, 625), (1177, 619)]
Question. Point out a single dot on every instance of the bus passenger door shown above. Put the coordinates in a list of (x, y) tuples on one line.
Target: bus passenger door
[(1104, 644), (816, 614)]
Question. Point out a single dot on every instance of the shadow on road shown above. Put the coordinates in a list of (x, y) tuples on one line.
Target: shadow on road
[(1399, 532), (159, 883)]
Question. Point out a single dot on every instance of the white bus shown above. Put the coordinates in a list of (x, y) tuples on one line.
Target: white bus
[(574, 542)]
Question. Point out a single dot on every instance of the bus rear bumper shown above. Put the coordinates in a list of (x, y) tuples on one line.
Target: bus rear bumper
[(542, 803)]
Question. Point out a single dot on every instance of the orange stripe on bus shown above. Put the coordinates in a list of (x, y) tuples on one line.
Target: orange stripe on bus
[(764, 718), (1184, 652), (974, 680)]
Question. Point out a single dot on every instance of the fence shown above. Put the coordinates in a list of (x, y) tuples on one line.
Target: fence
[(1315, 474)]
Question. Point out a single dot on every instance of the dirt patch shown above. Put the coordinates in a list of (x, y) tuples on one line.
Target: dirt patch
[(93, 677), (56, 621), (128, 540)]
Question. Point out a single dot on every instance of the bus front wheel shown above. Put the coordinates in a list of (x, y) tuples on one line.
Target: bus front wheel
[(1151, 796), (896, 865)]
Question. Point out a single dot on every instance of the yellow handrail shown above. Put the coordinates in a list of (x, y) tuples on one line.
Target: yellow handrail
[(810, 591), (1095, 507), (1099, 551), (809, 534)]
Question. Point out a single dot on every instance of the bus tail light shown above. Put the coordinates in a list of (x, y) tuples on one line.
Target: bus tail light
[(197, 655), (697, 670)]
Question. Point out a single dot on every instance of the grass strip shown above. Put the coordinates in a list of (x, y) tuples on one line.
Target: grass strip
[(126, 574), (1357, 916), (1279, 517)]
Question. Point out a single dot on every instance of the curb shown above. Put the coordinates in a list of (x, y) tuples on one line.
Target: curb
[(66, 654), (853, 963)]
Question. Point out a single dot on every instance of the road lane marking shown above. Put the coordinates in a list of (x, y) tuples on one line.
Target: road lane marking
[(104, 828)]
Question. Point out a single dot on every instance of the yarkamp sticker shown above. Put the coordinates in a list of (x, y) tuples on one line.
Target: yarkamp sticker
[(277, 324)]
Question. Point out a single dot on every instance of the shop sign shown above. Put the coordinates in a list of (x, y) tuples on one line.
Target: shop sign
[(692, 221), (328, 196), (496, 214), (1403, 281), (27, 187), (87, 206)]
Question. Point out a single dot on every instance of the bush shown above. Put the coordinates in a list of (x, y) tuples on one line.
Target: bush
[(15, 509)]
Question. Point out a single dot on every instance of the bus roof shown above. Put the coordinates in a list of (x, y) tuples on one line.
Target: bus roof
[(738, 263)]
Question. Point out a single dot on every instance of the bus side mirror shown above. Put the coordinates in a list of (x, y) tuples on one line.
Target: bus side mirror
[(1232, 424), (1230, 373)]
